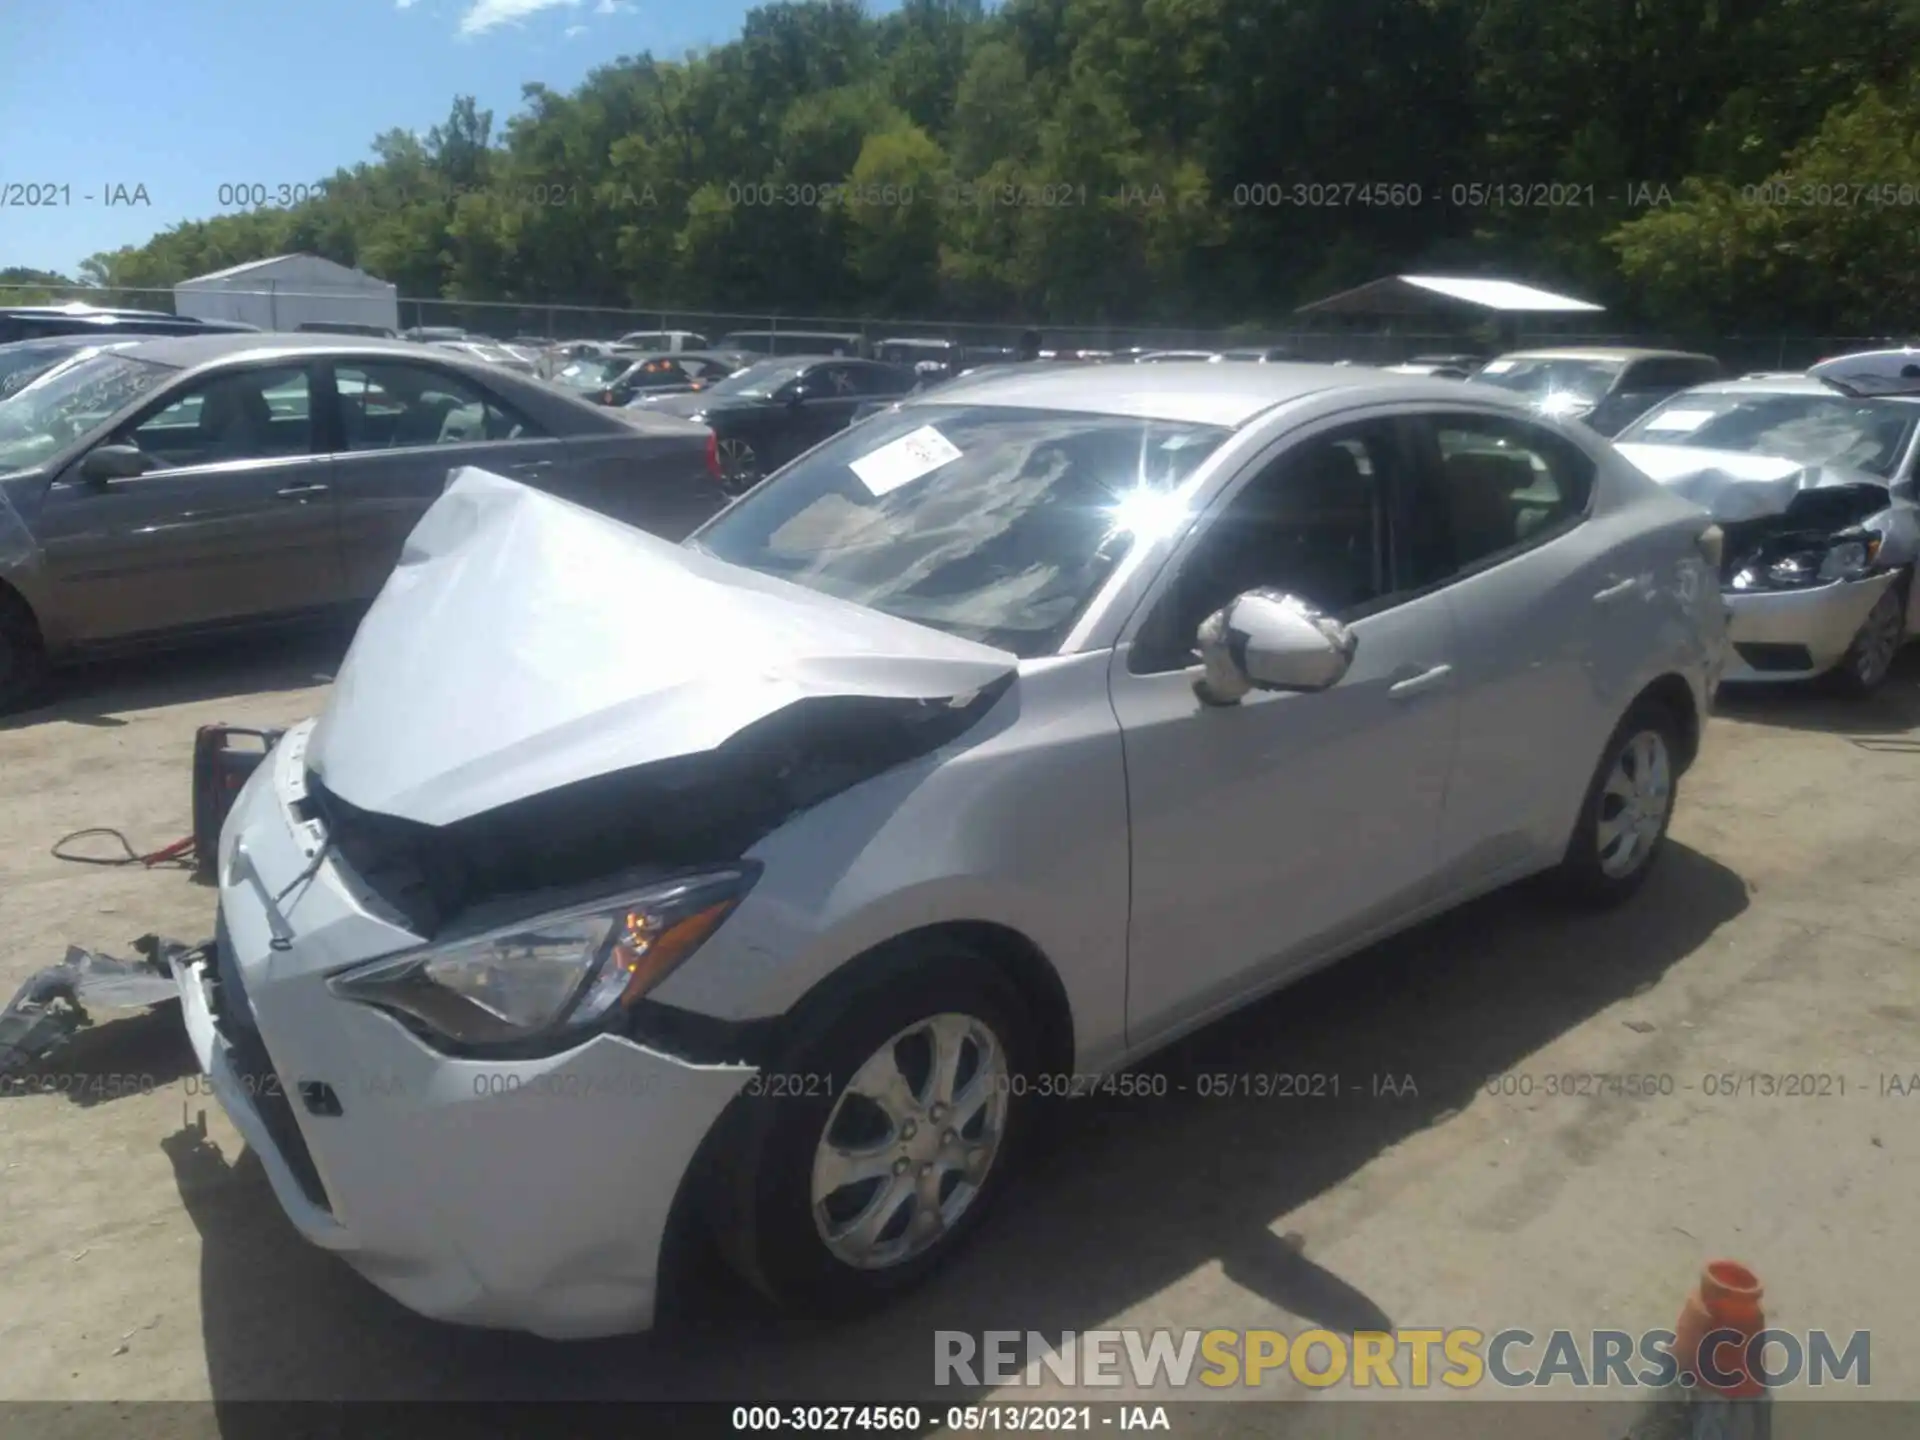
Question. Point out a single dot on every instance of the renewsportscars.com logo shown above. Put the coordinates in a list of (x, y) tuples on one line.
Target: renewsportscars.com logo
[(1460, 1359)]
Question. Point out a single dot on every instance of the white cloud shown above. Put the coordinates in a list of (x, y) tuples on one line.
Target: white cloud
[(485, 15), (611, 7), (572, 30), (403, 4)]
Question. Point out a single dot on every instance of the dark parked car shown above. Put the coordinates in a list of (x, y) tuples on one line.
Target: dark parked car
[(185, 484), (37, 322), (766, 414), (1606, 389), (344, 327), (792, 342), (675, 372)]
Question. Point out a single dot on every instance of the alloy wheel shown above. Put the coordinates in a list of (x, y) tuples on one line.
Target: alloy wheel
[(739, 465), (1634, 804), (1879, 640), (909, 1143)]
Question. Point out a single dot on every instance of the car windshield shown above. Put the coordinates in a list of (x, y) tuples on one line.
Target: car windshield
[(591, 374), (998, 525), (1538, 377), (759, 381), (44, 418), (1839, 430), (21, 365)]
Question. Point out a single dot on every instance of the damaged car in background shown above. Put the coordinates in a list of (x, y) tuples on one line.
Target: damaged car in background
[(626, 890), (1812, 482)]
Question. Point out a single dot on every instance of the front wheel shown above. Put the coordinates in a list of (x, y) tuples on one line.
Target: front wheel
[(1623, 823), (897, 1131), (1869, 660)]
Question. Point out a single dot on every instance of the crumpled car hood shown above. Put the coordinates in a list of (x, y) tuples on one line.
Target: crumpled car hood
[(524, 643), (1733, 485)]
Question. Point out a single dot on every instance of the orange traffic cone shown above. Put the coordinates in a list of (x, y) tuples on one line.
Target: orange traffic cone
[(1726, 1305)]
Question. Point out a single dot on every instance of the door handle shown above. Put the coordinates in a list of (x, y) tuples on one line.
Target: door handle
[(300, 492), (530, 467), (1619, 591), (1425, 680)]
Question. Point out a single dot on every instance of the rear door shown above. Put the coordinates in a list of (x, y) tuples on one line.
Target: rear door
[(398, 430), (1551, 613), (833, 391), (234, 522)]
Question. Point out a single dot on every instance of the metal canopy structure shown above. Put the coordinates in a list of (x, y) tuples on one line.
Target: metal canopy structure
[(1449, 296)]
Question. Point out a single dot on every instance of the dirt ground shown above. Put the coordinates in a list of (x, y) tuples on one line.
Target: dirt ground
[(144, 1259)]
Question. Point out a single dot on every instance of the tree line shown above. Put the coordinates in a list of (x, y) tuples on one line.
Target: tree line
[(1697, 165)]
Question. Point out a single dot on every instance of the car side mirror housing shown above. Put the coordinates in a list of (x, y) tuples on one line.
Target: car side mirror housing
[(1270, 640), (107, 463)]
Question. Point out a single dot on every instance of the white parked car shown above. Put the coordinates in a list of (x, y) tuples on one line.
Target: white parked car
[(1004, 737), (1813, 484)]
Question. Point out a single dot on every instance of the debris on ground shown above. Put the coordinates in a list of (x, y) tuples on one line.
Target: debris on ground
[(51, 1008)]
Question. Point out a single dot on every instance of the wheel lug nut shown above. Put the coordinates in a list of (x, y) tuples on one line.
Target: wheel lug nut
[(900, 1166), (926, 1170), (950, 1136)]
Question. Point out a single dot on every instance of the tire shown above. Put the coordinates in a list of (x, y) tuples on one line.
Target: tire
[(1869, 659), (1597, 870), (740, 466), (23, 659), (773, 1210)]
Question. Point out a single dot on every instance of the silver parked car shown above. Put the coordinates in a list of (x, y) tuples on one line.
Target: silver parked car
[(1813, 484), (771, 879), (153, 490)]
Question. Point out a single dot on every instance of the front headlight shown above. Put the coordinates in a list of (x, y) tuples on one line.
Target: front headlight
[(1849, 559), (556, 977), (1844, 557)]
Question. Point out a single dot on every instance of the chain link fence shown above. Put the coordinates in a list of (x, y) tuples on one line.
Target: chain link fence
[(1354, 339)]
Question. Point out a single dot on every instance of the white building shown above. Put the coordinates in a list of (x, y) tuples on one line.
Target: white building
[(287, 291)]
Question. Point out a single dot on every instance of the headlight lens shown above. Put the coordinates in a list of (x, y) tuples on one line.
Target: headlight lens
[(1845, 557), (1848, 560), (560, 975)]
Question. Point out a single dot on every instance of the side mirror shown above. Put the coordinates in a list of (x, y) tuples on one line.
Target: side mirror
[(1270, 640), (108, 463)]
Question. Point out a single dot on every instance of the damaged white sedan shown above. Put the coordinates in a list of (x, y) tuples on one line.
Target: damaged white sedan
[(766, 882), (1812, 481)]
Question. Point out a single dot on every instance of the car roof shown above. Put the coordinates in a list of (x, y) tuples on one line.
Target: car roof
[(186, 351), (1603, 352), (1196, 392)]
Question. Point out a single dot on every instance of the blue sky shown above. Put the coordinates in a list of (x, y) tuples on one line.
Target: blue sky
[(182, 96)]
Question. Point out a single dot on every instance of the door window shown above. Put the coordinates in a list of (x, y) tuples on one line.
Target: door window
[(834, 382), (1314, 524), (245, 415), (1498, 486), (388, 405)]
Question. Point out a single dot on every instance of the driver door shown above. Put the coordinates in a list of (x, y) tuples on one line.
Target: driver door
[(235, 521), (1269, 834)]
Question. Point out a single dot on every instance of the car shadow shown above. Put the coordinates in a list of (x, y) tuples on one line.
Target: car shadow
[(1881, 721), (1129, 1196), (100, 692)]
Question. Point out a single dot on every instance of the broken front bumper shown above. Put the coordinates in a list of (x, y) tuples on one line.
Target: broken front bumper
[(1796, 634), (528, 1195)]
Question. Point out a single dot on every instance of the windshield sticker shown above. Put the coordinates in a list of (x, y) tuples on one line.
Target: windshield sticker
[(903, 461), (1678, 420), (1496, 367)]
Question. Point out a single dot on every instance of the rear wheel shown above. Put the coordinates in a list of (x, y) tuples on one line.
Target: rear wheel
[(1623, 824), (1869, 660), (739, 466), (879, 1139), (23, 658)]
